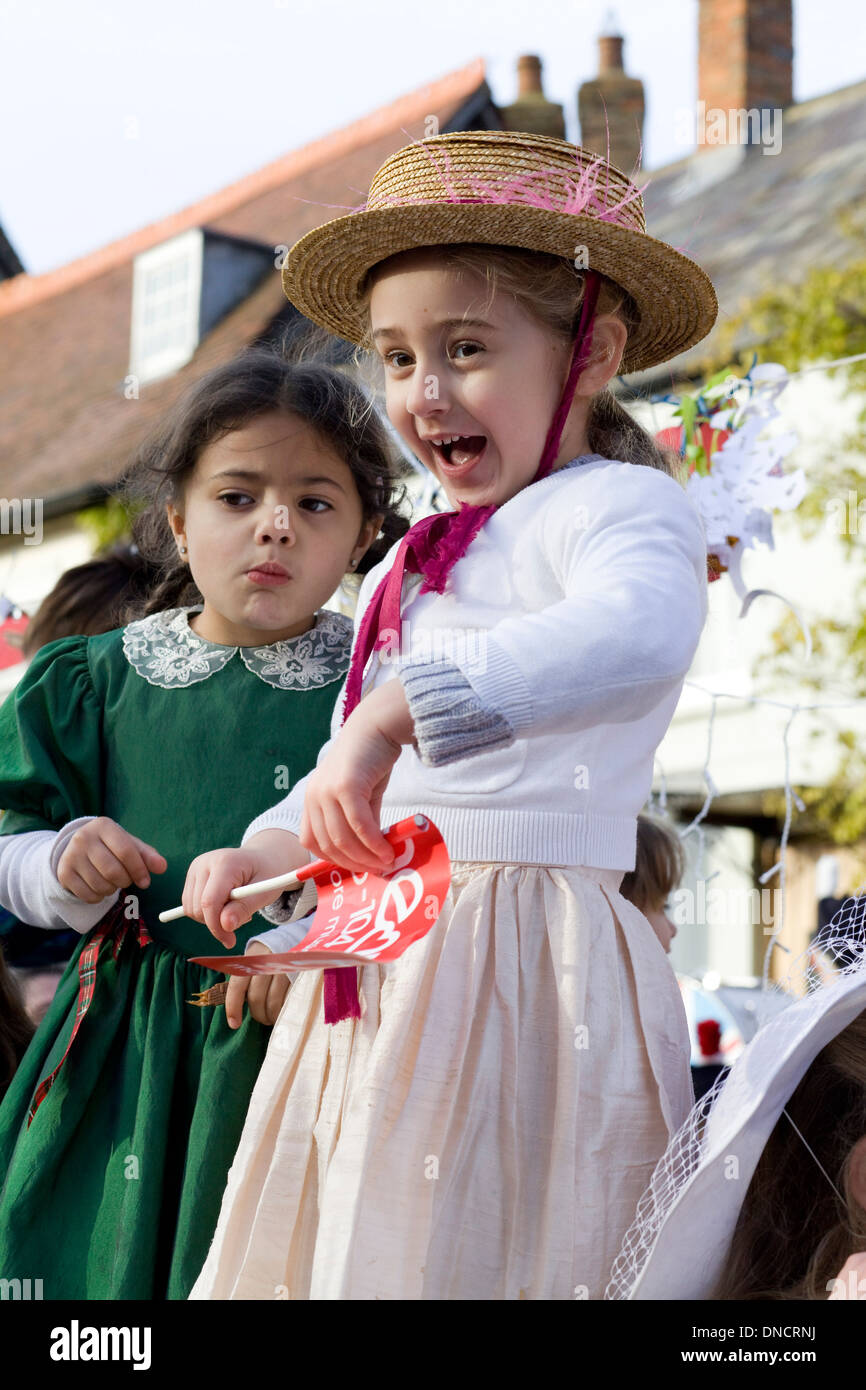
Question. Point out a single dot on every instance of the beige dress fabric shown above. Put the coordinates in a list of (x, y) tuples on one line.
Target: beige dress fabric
[(485, 1130)]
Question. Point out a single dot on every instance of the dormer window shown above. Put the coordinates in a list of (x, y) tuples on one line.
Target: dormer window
[(182, 289)]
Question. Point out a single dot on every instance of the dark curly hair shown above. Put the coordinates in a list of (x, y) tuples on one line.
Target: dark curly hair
[(260, 380)]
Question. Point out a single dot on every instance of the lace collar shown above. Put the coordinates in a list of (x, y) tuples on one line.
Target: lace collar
[(165, 651)]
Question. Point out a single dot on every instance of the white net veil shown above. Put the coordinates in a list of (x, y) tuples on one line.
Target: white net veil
[(838, 950)]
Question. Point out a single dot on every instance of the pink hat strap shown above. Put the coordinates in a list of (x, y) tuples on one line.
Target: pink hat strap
[(579, 359)]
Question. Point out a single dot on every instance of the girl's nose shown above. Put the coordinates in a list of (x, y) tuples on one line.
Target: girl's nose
[(276, 525), (426, 396)]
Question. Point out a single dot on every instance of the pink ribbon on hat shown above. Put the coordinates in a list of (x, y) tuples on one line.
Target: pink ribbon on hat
[(432, 547)]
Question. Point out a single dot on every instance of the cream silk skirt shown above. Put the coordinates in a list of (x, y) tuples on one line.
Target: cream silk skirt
[(485, 1130)]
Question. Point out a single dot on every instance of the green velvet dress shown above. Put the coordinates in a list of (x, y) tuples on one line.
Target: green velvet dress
[(114, 1189)]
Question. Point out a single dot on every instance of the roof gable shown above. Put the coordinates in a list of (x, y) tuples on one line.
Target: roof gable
[(64, 343)]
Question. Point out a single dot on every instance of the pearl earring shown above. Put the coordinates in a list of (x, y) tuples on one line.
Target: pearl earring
[(182, 549)]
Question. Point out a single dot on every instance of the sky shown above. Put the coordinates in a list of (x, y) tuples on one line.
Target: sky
[(115, 113)]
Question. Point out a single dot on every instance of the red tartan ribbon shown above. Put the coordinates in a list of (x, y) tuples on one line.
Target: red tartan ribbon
[(115, 926)]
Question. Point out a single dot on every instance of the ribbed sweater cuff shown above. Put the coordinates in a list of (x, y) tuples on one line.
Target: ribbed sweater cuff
[(450, 721), (501, 685)]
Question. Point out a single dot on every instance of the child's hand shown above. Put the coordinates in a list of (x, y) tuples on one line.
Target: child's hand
[(344, 793), (102, 857), (264, 993), (212, 876)]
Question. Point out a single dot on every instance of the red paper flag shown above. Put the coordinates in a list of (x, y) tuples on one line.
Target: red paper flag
[(364, 917)]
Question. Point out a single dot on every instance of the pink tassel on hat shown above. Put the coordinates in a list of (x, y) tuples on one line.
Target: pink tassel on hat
[(574, 195)]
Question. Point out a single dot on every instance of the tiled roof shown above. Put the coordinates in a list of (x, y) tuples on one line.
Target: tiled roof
[(768, 218), (64, 336)]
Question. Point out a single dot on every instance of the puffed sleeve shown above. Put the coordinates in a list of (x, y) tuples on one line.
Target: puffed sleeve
[(51, 755)]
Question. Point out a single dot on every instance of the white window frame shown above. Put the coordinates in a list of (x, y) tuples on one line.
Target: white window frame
[(177, 302)]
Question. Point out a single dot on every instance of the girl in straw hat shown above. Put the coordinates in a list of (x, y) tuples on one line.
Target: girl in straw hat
[(479, 1119)]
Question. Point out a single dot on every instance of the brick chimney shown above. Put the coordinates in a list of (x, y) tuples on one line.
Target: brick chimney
[(745, 54), (610, 108), (532, 111)]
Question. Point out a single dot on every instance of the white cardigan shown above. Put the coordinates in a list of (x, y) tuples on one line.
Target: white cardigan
[(574, 616)]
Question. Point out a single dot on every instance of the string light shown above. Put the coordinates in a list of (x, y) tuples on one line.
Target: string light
[(792, 799)]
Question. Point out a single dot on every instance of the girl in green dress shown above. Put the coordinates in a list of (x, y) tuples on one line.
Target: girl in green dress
[(125, 755)]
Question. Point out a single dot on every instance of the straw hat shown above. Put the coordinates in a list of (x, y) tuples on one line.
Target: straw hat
[(679, 1242), (506, 188)]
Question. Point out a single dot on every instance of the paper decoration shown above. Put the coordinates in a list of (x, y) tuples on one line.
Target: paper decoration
[(736, 480)]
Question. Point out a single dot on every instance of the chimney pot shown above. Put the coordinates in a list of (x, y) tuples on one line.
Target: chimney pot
[(609, 54), (528, 75), (532, 111), (610, 107)]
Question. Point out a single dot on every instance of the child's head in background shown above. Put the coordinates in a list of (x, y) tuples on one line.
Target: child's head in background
[(476, 342), (658, 869), (798, 1225), (268, 484), (93, 597)]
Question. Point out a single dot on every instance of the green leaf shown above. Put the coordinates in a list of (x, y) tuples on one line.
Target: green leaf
[(688, 413), (108, 523), (718, 377)]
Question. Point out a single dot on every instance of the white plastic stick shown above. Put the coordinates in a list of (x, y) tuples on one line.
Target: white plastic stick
[(282, 883)]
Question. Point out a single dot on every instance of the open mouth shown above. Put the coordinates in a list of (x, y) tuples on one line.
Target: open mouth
[(461, 450)]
